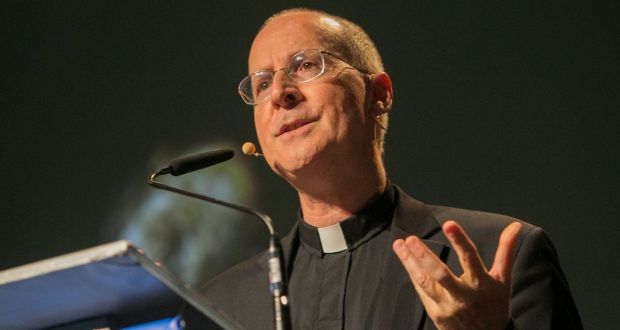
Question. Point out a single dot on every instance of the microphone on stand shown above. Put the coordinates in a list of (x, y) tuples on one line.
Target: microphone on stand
[(277, 282)]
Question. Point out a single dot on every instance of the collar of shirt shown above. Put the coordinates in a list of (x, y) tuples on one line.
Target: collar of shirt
[(353, 231)]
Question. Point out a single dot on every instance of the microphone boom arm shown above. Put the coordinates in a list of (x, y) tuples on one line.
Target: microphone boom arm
[(245, 209), (276, 260)]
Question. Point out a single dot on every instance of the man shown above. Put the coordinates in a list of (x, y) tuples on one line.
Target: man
[(364, 254)]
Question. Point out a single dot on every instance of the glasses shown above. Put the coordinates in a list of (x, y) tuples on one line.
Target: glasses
[(302, 67)]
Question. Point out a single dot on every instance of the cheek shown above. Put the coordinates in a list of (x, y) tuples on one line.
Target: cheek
[(260, 124), (355, 95), (260, 121), (350, 94), (351, 107)]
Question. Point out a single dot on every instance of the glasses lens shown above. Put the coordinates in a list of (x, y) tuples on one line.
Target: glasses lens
[(245, 90), (302, 67), (255, 87), (306, 65)]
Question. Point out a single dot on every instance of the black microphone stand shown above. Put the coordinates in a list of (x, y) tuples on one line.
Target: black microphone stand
[(276, 260)]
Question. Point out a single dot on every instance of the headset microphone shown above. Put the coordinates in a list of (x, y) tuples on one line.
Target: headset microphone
[(249, 149)]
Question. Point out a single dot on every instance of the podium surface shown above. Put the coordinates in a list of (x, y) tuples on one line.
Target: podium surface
[(114, 282)]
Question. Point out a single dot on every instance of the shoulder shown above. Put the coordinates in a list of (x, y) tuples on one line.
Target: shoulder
[(246, 271), (475, 223), (242, 285), (478, 221), (483, 228), (250, 277)]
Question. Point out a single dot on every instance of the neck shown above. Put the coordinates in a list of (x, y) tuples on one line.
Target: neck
[(335, 197)]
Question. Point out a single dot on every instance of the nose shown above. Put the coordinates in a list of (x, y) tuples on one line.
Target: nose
[(284, 91)]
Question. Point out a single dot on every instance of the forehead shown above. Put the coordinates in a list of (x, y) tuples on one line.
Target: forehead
[(284, 36)]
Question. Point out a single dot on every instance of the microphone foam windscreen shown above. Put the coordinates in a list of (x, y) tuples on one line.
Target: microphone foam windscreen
[(195, 162)]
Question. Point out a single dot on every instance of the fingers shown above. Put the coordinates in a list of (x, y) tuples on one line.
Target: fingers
[(434, 279), (504, 257), (427, 272), (461, 302), (408, 260), (465, 249)]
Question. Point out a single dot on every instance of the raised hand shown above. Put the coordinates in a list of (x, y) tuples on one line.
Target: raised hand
[(478, 299)]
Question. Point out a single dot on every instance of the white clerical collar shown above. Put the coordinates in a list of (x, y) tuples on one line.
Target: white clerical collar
[(332, 238), (352, 232)]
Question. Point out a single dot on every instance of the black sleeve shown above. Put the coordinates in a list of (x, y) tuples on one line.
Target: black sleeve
[(541, 298)]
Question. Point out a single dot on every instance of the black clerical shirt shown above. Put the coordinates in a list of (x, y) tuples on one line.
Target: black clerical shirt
[(364, 286), (333, 282)]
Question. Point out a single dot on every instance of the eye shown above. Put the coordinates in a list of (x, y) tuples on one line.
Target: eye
[(303, 63), (263, 85), (308, 65), (262, 82)]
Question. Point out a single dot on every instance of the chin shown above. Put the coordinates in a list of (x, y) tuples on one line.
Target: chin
[(293, 163)]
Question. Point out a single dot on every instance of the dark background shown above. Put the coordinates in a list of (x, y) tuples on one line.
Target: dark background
[(510, 108)]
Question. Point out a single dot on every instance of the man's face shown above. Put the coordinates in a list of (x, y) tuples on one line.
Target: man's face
[(308, 127)]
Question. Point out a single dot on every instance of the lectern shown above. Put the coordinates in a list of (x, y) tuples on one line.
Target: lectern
[(111, 286)]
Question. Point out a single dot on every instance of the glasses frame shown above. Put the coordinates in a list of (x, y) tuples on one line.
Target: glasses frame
[(248, 101)]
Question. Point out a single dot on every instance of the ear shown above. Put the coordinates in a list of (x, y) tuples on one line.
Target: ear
[(381, 88)]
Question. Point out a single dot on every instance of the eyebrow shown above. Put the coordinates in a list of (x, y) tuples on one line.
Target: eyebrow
[(288, 56)]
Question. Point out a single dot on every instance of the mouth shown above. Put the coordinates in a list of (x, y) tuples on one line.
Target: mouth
[(295, 125)]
